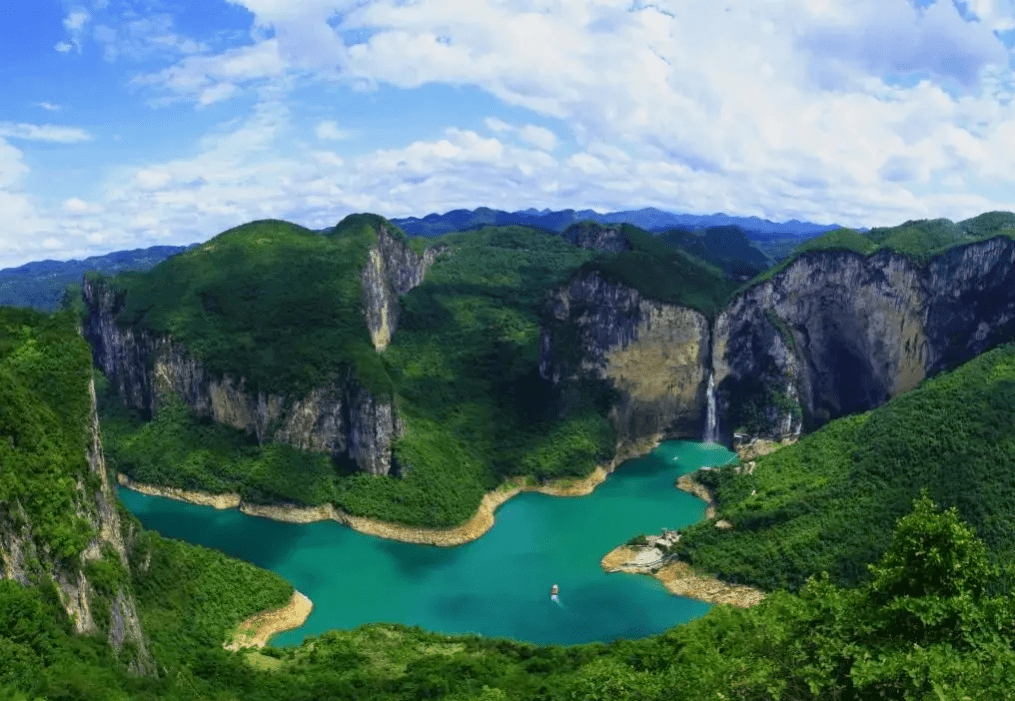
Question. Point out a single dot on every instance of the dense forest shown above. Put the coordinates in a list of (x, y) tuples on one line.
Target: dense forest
[(876, 591)]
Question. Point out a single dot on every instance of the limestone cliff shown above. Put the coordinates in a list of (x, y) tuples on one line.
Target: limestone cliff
[(342, 418), (833, 333), (837, 332), (392, 270), (90, 610), (654, 356)]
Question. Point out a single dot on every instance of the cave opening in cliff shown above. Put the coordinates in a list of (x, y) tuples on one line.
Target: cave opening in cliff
[(853, 384)]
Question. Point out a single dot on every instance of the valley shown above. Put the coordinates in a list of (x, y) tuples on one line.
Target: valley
[(358, 382)]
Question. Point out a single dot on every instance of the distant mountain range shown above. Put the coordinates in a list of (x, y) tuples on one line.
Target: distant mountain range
[(41, 284), (649, 218)]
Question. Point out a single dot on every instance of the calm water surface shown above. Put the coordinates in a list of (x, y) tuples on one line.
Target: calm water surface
[(498, 585)]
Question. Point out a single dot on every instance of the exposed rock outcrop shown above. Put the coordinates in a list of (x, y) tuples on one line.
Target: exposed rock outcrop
[(837, 332), (597, 237), (834, 333), (343, 418), (26, 563), (391, 270), (654, 356)]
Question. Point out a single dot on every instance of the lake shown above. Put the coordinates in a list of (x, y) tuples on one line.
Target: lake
[(498, 585)]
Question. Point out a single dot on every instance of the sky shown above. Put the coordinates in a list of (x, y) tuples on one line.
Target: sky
[(127, 124)]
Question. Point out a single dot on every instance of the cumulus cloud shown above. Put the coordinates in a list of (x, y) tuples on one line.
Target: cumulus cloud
[(997, 15), (329, 131), (77, 206), (896, 37), (780, 110), (74, 23), (49, 106), (44, 132)]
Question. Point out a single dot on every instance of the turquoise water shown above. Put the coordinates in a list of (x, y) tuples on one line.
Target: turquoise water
[(498, 585)]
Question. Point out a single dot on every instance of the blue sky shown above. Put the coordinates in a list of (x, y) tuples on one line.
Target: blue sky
[(128, 124)]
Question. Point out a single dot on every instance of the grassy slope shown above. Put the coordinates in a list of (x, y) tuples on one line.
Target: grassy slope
[(822, 503)]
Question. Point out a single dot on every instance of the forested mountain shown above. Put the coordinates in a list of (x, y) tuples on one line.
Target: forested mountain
[(402, 378), (649, 219), (919, 628), (41, 285)]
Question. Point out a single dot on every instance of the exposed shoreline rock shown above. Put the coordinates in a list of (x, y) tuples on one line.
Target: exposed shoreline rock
[(677, 576), (481, 522), (257, 630)]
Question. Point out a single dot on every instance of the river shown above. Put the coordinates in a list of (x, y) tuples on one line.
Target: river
[(498, 585)]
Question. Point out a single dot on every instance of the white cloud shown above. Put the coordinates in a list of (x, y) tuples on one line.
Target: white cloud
[(44, 132), (538, 136), (141, 38), (216, 93), (74, 23), (49, 106), (780, 110), (193, 75), (77, 206), (497, 125), (329, 130), (997, 15)]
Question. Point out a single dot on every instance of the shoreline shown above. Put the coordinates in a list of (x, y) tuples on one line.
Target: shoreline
[(481, 522), (258, 629), (678, 576)]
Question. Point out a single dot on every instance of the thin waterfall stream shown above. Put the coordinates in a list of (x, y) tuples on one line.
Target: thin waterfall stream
[(710, 422)]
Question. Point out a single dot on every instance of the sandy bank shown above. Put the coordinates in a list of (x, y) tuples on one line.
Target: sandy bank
[(480, 523), (678, 577), (258, 629)]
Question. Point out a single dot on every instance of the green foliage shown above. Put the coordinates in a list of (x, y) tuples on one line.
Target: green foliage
[(193, 597), (726, 247), (660, 272), (45, 411), (922, 628), (270, 302), (463, 365), (819, 502), (988, 224)]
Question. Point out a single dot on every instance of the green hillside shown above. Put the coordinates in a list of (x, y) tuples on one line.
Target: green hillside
[(726, 247), (919, 240), (821, 503), (45, 368), (463, 367), (270, 301), (658, 271)]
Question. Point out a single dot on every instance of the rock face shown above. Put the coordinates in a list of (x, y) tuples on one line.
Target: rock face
[(654, 356), (25, 563), (834, 333), (392, 270), (837, 333), (343, 418), (597, 237)]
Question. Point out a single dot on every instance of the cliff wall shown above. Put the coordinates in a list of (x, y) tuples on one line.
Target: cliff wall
[(391, 270), (30, 565), (653, 356), (833, 333), (343, 418)]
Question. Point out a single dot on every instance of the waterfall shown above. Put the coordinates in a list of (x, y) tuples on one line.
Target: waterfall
[(710, 427)]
